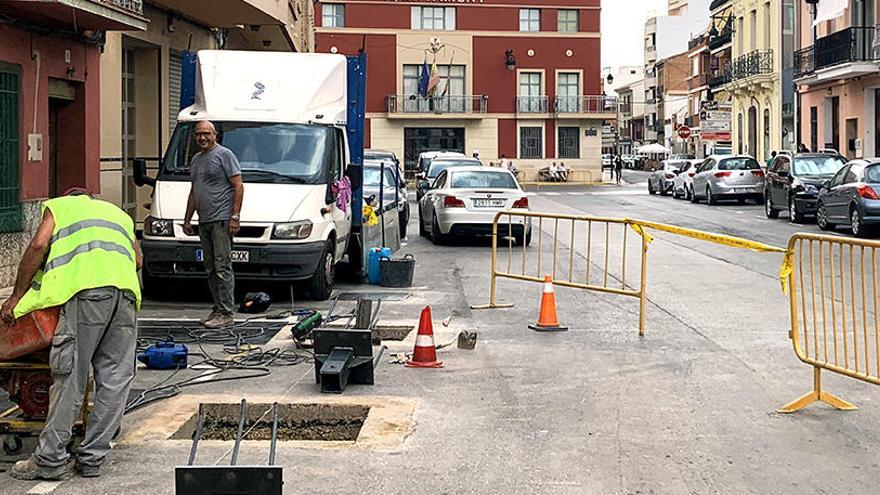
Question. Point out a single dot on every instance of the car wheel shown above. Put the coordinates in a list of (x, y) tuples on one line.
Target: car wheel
[(520, 239), (856, 224), (437, 237), (710, 199), (693, 195), (768, 207), (651, 190), (422, 230), (822, 218), (662, 188), (321, 283), (793, 213)]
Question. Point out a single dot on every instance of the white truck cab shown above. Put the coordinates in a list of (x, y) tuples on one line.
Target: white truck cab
[(284, 116)]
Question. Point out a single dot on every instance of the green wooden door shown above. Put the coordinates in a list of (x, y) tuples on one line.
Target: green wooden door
[(10, 151)]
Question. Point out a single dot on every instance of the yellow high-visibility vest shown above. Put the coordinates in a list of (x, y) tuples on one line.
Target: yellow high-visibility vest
[(92, 246)]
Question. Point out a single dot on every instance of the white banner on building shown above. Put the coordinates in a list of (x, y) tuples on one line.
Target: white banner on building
[(829, 9)]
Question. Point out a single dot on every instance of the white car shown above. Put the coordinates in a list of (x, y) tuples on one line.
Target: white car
[(682, 185), (463, 201)]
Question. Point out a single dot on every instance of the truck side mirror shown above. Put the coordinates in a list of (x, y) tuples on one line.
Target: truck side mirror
[(140, 174)]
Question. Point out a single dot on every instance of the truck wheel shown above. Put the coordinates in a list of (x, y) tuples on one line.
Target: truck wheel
[(321, 283)]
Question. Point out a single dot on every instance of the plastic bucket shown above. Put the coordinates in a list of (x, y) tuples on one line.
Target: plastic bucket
[(376, 254), (397, 273)]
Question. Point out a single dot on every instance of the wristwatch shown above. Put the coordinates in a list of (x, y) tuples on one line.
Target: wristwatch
[(235, 217)]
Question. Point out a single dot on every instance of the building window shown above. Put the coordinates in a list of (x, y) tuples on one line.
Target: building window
[(567, 91), (447, 97), (529, 19), (531, 99), (433, 18), (567, 21), (530, 142), (569, 142), (10, 146), (333, 15)]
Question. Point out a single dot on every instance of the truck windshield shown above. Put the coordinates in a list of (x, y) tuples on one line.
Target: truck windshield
[(267, 152)]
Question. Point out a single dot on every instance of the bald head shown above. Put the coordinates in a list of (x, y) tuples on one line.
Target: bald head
[(206, 135)]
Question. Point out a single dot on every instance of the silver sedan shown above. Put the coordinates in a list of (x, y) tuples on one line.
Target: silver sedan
[(729, 177), (463, 201)]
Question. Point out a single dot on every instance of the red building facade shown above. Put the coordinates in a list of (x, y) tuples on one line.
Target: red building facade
[(517, 78)]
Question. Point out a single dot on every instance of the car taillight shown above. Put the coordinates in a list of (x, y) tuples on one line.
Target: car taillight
[(691, 174), (868, 192), (521, 203), (722, 174), (758, 173), (452, 202), (670, 176)]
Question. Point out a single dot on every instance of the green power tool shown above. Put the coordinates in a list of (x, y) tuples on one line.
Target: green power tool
[(306, 324)]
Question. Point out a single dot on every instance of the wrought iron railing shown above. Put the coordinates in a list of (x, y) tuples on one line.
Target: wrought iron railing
[(725, 36), (416, 104), (804, 62), (854, 44), (720, 78), (585, 104), (532, 104), (754, 63), (134, 6)]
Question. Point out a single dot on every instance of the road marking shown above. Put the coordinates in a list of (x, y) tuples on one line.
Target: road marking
[(44, 487), (552, 194)]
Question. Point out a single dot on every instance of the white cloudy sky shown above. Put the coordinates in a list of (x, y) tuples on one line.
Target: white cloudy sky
[(623, 29)]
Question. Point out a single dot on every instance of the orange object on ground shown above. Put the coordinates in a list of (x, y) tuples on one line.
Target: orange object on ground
[(547, 320), (424, 352), (30, 333)]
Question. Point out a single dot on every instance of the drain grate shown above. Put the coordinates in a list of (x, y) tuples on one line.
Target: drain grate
[(315, 422)]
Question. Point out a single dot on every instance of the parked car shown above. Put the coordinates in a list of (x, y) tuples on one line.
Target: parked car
[(851, 198), (737, 177), (393, 179), (722, 151), (383, 155), (793, 183), (684, 179), (661, 177), (438, 165), (682, 156), (464, 200), (426, 157)]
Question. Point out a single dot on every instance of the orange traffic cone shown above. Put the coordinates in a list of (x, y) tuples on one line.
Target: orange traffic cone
[(424, 353), (547, 320)]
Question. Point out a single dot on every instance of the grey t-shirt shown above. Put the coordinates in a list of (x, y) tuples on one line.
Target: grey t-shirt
[(210, 172)]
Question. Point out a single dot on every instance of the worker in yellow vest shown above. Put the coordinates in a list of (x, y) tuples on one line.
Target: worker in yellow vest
[(85, 257)]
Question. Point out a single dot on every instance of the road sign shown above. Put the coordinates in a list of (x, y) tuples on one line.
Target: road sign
[(684, 132)]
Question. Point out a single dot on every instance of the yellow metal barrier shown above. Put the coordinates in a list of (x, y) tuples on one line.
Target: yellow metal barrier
[(834, 311), (583, 266), (576, 264)]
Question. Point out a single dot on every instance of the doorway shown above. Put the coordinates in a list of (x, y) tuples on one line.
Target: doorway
[(64, 145), (753, 132), (852, 130), (835, 124), (420, 139)]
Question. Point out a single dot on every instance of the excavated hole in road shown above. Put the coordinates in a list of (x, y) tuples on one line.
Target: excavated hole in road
[(316, 422)]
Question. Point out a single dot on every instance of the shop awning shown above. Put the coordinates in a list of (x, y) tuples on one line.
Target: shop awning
[(830, 9)]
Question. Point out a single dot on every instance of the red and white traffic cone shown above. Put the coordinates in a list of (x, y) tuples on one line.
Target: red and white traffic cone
[(424, 352), (547, 320)]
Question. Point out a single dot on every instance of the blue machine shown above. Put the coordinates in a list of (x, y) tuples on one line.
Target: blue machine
[(164, 356)]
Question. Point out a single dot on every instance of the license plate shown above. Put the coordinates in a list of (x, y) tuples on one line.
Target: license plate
[(237, 256), (488, 203)]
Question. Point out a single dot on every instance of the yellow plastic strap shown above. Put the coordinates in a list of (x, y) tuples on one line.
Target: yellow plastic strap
[(786, 269), (642, 232), (724, 240)]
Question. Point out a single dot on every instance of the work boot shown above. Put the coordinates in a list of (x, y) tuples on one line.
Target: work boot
[(28, 470), (86, 470), (220, 321), (210, 316)]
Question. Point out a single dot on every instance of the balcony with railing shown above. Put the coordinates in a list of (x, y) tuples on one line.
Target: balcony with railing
[(586, 105), (409, 106), (723, 37), (532, 104), (804, 62), (103, 15), (720, 78), (756, 63), (847, 53)]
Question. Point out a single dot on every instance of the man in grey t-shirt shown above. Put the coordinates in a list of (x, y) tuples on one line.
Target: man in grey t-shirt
[(216, 193)]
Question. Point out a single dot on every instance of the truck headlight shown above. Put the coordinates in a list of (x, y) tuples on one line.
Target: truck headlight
[(158, 227), (293, 230)]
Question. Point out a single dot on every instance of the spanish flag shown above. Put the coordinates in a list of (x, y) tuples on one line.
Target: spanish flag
[(434, 80)]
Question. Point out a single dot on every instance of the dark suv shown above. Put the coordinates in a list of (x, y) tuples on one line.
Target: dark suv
[(793, 183)]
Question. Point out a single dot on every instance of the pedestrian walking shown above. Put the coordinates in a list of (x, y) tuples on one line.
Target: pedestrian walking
[(770, 160), (618, 168), (216, 193), (83, 257)]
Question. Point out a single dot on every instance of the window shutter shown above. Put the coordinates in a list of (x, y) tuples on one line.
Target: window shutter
[(10, 150)]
